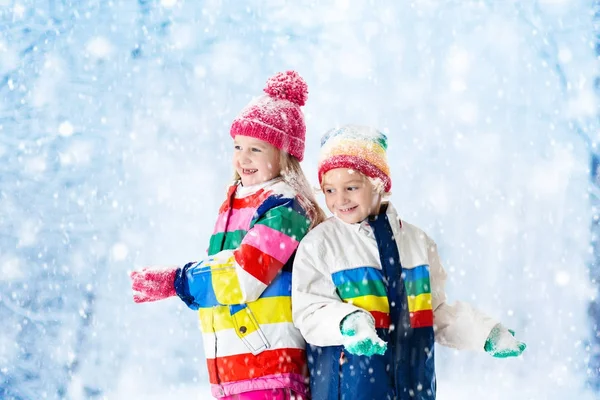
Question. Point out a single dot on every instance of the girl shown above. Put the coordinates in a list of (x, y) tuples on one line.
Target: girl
[(242, 290), (368, 288)]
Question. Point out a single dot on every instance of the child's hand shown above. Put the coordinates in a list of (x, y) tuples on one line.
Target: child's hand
[(502, 344), (360, 336), (153, 283)]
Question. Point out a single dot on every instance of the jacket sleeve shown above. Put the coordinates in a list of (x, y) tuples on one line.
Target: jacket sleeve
[(460, 326), (317, 309), (240, 276)]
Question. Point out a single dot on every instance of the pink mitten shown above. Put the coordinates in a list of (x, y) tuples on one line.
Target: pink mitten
[(153, 283)]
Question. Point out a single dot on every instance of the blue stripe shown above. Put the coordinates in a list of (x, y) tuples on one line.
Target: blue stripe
[(280, 286), (200, 286), (297, 207), (236, 307), (357, 274), (416, 273), (193, 285), (272, 201)]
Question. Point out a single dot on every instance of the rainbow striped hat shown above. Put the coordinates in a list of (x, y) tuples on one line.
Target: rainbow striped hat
[(357, 147)]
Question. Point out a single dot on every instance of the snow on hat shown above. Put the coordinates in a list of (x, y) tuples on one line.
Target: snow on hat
[(276, 117), (360, 148)]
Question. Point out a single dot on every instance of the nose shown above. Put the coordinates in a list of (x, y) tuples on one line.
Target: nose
[(244, 157), (342, 198)]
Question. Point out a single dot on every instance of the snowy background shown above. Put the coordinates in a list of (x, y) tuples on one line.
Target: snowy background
[(115, 152)]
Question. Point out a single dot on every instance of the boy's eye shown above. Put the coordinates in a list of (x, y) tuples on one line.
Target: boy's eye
[(352, 188), (328, 191)]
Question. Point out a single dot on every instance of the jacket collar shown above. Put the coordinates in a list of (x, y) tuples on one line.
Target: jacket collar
[(243, 191), (364, 228)]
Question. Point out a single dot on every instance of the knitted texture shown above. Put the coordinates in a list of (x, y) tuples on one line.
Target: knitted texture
[(502, 344), (276, 117), (356, 147), (360, 336), (154, 283)]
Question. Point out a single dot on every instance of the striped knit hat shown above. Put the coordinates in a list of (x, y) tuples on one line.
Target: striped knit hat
[(276, 117), (356, 147)]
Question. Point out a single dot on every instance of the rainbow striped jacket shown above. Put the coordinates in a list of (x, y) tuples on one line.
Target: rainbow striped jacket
[(242, 292), (338, 271)]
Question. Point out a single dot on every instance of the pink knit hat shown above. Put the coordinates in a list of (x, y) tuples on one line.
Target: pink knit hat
[(276, 117)]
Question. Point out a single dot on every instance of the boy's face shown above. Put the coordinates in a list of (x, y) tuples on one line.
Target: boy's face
[(350, 195), (254, 160)]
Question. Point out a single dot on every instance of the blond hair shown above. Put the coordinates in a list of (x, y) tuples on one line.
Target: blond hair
[(292, 174)]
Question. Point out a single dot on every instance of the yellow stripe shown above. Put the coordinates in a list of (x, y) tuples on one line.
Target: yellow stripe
[(372, 152), (225, 282), (371, 303), (268, 310), (244, 322), (420, 302)]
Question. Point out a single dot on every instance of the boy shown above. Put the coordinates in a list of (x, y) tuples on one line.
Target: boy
[(368, 288)]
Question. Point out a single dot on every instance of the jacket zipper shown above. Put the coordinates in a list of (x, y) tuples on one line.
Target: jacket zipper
[(231, 197), (341, 362)]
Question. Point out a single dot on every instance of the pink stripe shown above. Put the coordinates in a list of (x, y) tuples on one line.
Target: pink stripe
[(291, 381), (357, 163), (239, 219), (270, 394), (272, 242)]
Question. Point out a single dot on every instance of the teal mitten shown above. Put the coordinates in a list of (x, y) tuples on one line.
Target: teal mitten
[(502, 344), (360, 336)]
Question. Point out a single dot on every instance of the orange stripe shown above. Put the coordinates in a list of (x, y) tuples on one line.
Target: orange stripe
[(421, 319), (247, 366)]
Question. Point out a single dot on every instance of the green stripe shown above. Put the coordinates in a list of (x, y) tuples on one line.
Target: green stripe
[(232, 241), (382, 142), (287, 221), (350, 290), (420, 286)]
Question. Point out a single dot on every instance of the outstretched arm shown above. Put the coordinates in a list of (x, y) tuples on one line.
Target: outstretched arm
[(461, 325)]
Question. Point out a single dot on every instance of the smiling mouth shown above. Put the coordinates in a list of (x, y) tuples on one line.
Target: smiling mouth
[(347, 210), (246, 171)]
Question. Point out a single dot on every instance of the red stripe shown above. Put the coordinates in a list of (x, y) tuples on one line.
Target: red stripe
[(258, 264), (421, 319), (230, 192), (382, 319), (253, 201), (357, 163), (246, 366)]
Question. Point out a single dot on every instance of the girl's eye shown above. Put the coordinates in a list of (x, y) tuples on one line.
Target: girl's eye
[(254, 149), (237, 147)]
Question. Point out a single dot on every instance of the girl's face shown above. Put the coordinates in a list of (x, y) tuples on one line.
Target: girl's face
[(350, 195), (254, 160)]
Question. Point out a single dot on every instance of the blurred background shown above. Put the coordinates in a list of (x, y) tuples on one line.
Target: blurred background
[(115, 153)]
